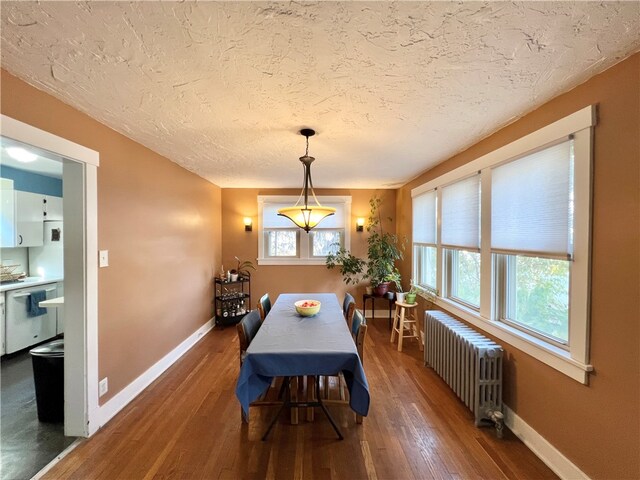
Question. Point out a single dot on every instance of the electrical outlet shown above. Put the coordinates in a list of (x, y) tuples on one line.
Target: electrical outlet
[(103, 386), (103, 258)]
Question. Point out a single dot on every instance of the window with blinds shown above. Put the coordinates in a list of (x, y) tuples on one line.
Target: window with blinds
[(460, 238), (531, 239), (424, 240), (504, 241), (281, 242)]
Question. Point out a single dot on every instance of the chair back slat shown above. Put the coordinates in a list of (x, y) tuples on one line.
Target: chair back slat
[(264, 306), (360, 337), (348, 308), (351, 310), (348, 299), (358, 319)]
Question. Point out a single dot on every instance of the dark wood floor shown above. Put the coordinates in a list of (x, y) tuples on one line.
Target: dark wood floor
[(187, 425)]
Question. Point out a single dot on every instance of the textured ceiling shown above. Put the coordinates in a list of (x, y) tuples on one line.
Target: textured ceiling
[(391, 88)]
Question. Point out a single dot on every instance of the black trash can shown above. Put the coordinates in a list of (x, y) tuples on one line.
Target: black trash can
[(48, 375)]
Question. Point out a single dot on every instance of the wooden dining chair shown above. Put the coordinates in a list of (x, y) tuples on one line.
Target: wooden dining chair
[(359, 335), (358, 321), (264, 306), (247, 330), (348, 309)]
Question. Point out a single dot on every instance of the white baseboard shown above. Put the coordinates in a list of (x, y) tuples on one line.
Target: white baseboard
[(550, 455), (107, 411)]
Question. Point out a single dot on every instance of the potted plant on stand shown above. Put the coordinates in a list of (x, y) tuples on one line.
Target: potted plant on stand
[(383, 250), (242, 268)]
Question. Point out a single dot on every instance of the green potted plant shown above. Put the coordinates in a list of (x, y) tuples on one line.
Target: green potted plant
[(383, 249), (410, 297), (242, 268), (351, 267)]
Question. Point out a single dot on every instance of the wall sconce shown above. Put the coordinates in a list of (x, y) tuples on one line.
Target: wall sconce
[(359, 224), (248, 224)]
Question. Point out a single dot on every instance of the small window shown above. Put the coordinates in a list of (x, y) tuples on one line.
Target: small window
[(537, 296), (281, 243), (425, 268), (463, 277), (325, 242)]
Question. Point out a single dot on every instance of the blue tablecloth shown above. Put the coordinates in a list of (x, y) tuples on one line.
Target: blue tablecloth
[(288, 344)]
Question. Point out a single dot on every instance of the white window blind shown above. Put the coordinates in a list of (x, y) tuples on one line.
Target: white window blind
[(424, 218), (461, 214), (271, 219), (531, 203)]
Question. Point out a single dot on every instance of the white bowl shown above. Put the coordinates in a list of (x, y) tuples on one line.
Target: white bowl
[(307, 308)]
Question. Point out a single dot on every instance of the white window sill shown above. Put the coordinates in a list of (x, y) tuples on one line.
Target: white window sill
[(291, 261), (548, 354)]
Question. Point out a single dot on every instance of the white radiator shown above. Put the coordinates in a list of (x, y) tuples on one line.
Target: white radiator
[(469, 362)]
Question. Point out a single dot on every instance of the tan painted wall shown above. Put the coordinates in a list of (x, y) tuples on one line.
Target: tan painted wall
[(161, 225), (596, 426), (240, 203)]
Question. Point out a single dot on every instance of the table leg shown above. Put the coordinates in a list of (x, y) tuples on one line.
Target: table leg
[(316, 403), (293, 393), (311, 396)]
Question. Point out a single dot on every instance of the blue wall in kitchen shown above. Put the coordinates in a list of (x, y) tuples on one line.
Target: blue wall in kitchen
[(32, 182)]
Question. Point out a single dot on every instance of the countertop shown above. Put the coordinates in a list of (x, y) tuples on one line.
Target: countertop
[(29, 282), (54, 302)]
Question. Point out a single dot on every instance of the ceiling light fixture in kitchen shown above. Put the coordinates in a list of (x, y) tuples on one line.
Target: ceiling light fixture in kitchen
[(304, 215)]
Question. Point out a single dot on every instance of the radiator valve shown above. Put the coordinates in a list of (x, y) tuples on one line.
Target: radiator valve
[(497, 418)]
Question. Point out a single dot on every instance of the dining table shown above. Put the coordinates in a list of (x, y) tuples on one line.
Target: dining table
[(290, 345)]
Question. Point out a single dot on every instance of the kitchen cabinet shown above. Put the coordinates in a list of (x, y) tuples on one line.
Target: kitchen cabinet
[(7, 213), (232, 300), (22, 219), (29, 218), (52, 208)]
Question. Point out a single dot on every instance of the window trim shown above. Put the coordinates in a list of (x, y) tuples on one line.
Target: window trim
[(575, 362), (304, 248)]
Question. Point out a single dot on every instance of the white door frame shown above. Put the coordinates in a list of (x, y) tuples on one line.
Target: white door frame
[(81, 257)]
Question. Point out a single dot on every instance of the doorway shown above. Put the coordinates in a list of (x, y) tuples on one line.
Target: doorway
[(80, 271)]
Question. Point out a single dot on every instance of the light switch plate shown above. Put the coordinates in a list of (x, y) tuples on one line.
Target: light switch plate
[(103, 258)]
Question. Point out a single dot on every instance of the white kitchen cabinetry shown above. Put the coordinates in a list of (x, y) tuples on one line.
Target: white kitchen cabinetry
[(52, 208), (22, 217), (7, 213), (29, 218)]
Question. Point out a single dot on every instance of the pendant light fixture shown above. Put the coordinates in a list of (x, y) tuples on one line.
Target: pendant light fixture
[(302, 214)]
